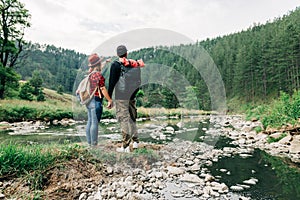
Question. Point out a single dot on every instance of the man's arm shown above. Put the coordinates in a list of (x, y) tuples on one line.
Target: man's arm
[(114, 76)]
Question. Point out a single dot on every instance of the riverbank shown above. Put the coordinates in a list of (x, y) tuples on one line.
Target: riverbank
[(175, 170), (278, 142), (244, 133)]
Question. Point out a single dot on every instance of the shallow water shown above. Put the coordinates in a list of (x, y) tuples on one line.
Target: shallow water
[(276, 179)]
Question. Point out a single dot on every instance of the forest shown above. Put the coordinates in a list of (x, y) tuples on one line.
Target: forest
[(255, 66)]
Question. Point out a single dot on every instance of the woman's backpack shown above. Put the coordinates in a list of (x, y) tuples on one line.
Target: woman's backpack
[(83, 90)]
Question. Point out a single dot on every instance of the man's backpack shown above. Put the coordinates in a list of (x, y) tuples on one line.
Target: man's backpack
[(129, 81), (83, 90)]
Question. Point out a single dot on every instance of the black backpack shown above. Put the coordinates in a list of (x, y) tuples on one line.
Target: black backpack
[(130, 80)]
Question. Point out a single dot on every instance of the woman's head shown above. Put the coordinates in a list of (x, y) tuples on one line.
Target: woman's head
[(94, 62)]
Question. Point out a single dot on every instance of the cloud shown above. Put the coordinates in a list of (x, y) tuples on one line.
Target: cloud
[(84, 25)]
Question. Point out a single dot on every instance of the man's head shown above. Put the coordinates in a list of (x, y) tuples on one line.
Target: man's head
[(122, 51)]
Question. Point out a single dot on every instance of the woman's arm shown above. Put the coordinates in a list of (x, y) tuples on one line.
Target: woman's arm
[(107, 97)]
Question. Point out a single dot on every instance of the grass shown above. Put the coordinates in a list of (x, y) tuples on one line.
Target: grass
[(271, 139), (277, 112), (178, 112), (56, 106), (30, 161), (59, 106), (19, 110), (18, 159)]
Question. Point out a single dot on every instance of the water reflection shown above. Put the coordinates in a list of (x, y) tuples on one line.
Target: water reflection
[(276, 180)]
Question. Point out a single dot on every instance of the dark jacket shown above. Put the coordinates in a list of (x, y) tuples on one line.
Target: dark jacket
[(115, 72)]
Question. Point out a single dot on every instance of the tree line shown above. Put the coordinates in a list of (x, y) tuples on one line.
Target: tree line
[(255, 64), (261, 61)]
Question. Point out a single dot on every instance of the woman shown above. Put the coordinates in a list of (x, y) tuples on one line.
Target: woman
[(94, 107)]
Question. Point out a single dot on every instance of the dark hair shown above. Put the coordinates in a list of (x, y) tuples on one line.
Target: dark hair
[(124, 55)]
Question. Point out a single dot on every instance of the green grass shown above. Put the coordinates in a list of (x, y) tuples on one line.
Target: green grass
[(271, 139), (282, 111), (21, 159), (30, 161), (56, 106)]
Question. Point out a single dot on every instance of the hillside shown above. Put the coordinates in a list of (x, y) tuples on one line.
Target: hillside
[(55, 106), (254, 64), (51, 95), (56, 66)]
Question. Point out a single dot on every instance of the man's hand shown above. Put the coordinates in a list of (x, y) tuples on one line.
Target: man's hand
[(110, 104)]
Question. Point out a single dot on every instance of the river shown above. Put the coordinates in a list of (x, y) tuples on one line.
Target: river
[(274, 177)]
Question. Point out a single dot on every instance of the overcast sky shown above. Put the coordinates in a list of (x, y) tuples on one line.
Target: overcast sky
[(83, 25)]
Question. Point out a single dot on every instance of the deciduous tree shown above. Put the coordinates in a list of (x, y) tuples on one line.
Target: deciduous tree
[(13, 20)]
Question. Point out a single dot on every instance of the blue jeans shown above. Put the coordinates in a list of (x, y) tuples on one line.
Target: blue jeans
[(94, 109)]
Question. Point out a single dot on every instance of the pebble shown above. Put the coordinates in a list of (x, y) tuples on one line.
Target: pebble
[(175, 170), (83, 196), (223, 170), (236, 188), (251, 181), (192, 178)]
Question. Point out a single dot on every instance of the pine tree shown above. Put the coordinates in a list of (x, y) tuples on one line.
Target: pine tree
[(26, 92)]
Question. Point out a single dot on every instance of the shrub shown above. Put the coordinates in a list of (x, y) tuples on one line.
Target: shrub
[(284, 110)]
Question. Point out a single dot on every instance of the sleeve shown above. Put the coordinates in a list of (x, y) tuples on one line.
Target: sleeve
[(114, 75)]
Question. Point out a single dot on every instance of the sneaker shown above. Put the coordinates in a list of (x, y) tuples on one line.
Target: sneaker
[(123, 150), (135, 145)]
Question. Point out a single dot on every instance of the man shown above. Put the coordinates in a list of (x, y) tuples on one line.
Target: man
[(125, 93)]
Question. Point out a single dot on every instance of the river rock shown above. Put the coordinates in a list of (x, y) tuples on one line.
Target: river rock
[(83, 196), (275, 135), (223, 170), (175, 170), (158, 175), (176, 194), (169, 129), (194, 167), (295, 145), (286, 140), (192, 178), (251, 181), (236, 188), (223, 188), (189, 162), (2, 196), (121, 193), (209, 178), (109, 170), (245, 155), (244, 186), (246, 128)]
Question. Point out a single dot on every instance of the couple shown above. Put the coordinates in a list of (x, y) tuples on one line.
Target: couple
[(126, 111)]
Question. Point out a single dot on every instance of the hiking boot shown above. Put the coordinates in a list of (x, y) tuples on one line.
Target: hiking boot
[(135, 145), (123, 150)]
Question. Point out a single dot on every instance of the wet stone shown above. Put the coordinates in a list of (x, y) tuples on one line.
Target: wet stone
[(236, 188)]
